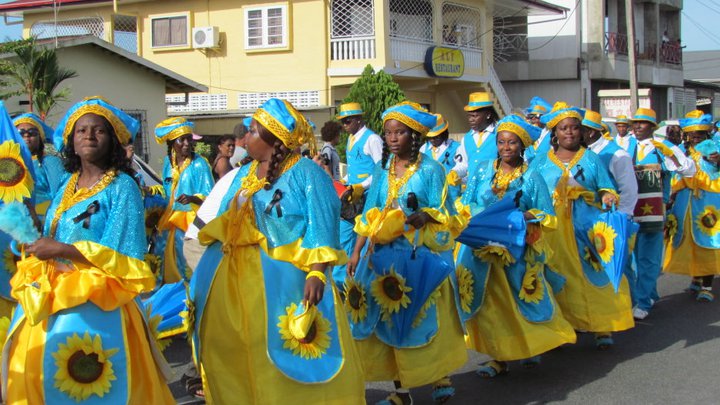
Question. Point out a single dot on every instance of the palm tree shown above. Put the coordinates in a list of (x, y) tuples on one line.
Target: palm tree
[(36, 73)]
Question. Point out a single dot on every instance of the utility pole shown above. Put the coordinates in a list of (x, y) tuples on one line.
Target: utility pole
[(630, 22)]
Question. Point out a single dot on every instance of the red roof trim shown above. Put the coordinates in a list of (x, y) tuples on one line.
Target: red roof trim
[(21, 5)]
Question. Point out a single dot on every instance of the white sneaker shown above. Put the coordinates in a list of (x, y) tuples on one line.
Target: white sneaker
[(640, 314)]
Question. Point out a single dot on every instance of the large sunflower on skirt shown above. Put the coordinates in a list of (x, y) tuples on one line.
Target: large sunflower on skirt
[(709, 220), (603, 237), (532, 288), (314, 344), (84, 367), (465, 287), (495, 255), (355, 300), (390, 292), (15, 180), (9, 261)]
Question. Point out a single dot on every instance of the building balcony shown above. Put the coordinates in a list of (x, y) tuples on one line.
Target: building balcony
[(617, 44)]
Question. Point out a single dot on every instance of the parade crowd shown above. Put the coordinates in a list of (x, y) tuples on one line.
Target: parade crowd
[(294, 282)]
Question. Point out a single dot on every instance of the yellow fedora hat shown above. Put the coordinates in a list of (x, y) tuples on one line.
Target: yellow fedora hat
[(349, 110), (478, 100)]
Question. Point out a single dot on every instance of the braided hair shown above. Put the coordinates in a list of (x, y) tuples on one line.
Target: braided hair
[(41, 150), (116, 159), (279, 153), (416, 144)]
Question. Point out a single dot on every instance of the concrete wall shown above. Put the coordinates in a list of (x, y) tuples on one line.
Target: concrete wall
[(551, 90)]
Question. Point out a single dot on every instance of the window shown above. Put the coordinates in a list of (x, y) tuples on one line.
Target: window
[(266, 27), (170, 31)]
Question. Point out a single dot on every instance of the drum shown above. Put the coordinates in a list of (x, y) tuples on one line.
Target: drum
[(650, 209)]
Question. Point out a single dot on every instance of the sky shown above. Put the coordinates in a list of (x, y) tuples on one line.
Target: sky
[(698, 22)]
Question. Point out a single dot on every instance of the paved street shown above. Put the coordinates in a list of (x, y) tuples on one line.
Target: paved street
[(671, 357)]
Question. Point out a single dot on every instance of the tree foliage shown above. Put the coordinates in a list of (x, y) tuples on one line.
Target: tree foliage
[(375, 91), (34, 71)]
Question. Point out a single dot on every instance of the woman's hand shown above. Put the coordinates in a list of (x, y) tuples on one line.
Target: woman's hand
[(419, 219), (714, 158), (314, 289), (185, 199), (47, 248), (352, 264), (529, 216), (608, 199)]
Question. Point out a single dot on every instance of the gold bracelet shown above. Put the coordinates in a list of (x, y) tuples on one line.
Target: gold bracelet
[(318, 274)]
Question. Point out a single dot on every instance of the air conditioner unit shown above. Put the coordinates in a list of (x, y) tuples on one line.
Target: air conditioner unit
[(205, 37)]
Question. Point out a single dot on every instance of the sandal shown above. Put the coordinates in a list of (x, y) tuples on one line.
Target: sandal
[(443, 391), (396, 399), (603, 341), (194, 387), (705, 296), (694, 287), (492, 369), (532, 362)]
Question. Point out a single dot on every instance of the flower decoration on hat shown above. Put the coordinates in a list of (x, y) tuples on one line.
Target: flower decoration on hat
[(45, 130), (124, 126), (560, 111), (412, 115), (173, 128), (286, 123), (527, 132)]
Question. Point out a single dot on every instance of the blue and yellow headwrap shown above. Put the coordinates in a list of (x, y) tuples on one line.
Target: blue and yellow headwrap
[(172, 128), (124, 125), (538, 106), (702, 123), (560, 111), (527, 132), (46, 131), (286, 123), (412, 115)]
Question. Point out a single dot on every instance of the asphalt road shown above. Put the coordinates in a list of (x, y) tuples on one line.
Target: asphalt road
[(672, 357)]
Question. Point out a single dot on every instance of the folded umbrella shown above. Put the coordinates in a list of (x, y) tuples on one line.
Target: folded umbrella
[(500, 223)]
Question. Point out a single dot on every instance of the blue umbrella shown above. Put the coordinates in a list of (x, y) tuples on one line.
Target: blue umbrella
[(423, 273), (502, 222), (621, 227), (168, 302)]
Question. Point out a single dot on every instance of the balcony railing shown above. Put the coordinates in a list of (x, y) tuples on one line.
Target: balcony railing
[(352, 48), (510, 47), (669, 52), (413, 50), (616, 43)]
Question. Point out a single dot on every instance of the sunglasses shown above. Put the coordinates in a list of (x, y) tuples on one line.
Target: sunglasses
[(29, 132)]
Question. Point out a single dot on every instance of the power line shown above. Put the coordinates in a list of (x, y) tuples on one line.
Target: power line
[(702, 29)]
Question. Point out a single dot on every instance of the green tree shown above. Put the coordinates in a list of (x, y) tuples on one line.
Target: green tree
[(35, 72), (375, 91)]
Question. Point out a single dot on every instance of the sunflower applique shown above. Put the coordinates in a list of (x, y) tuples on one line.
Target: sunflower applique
[(532, 290), (390, 292), (603, 237), (709, 220), (315, 342), (355, 300), (84, 367), (496, 255), (590, 257), (9, 261), (15, 180), (465, 287), (153, 322), (671, 226), (152, 217), (153, 262)]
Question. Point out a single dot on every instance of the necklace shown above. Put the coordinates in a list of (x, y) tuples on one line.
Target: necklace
[(395, 184), (502, 180), (72, 195)]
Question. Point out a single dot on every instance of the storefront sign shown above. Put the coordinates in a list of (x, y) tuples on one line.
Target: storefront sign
[(444, 62)]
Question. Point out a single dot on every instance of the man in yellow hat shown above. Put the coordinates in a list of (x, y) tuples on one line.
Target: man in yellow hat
[(614, 158), (478, 144), (655, 163), (441, 148), (363, 151), (625, 138)]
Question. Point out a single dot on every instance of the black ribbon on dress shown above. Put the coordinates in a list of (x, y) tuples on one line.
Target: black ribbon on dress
[(580, 174), (275, 203), (412, 204), (446, 158), (91, 209)]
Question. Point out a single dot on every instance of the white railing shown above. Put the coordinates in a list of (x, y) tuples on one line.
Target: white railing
[(473, 57), (352, 48), (412, 50), (498, 89)]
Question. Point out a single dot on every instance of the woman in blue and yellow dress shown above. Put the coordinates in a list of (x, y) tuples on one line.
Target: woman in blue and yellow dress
[(78, 335), (508, 306), (580, 185), (399, 292), (693, 221), (187, 180), (267, 327), (49, 170)]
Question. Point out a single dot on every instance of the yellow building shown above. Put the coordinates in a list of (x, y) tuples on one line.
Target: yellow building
[(309, 52)]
